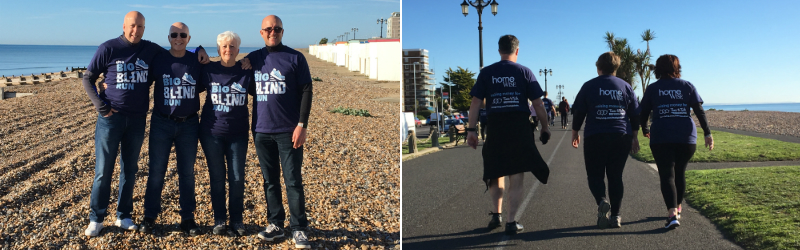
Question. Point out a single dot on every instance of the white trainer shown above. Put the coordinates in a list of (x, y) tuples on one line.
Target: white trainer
[(93, 229), (126, 224)]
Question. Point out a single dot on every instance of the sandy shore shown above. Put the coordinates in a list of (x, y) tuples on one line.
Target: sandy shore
[(351, 173), (770, 122)]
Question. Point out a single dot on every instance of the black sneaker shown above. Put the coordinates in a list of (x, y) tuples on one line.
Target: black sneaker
[(190, 227), (672, 223), (495, 222), (238, 228), (220, 229), (147, 226), (271, 233), (300, 239), (513, 228), (616, 221), (602, 214)]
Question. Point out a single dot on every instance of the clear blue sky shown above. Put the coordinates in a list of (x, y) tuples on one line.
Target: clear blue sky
[(93, 22), (732, 51)]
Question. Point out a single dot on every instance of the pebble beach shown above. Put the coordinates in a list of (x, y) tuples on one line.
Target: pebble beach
[(769, 122), (351, 173)]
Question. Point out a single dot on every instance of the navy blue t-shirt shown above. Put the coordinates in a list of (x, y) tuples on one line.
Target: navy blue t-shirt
[(507, 87), (608, 102), (548, 105), (125, 67), (176, 89), (482, 115), (225, 110), (279, 80), (670, 100)]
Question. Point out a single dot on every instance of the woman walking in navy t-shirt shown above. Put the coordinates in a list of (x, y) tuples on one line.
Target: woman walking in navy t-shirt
[(673, 134)]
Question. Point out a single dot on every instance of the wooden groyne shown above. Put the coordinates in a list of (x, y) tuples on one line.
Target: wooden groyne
[(40, 78)]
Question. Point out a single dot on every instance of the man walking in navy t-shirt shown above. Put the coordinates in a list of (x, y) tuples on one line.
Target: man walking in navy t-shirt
[(550, 108), (280, 117)]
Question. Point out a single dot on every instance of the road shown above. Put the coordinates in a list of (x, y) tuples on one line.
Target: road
[(445, 206)]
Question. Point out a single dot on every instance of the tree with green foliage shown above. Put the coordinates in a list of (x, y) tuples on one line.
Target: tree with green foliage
[(621, 47), (462, 81), (324, 40), (642, 60)]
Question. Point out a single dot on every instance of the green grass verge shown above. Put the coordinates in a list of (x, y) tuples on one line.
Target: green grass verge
[(759, 208), (729, 147), (423, 144)]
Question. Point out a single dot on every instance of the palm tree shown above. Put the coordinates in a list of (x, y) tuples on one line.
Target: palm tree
[(620, 47), (642, 61)]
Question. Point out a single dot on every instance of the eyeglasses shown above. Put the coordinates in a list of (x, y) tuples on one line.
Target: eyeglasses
[(175, 35), (270, 29)]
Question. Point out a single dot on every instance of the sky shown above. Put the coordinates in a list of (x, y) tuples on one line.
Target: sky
[(731, 51), (93, 22)]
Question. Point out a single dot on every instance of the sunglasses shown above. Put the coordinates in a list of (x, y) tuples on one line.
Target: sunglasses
[(175, 35), (276, 29)]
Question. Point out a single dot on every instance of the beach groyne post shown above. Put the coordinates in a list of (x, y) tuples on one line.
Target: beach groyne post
[(435, 136), (2, 94)]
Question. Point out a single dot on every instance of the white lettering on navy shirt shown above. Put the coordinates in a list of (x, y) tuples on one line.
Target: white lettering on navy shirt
[(224, 97), (507, 81), (674, 94), (269, 84), (613, 93), (177, 89), (130, 73)]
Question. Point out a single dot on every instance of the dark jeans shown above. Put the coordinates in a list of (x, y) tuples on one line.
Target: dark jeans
[(112, 135), (163, 133), (564, 119), (551, 118), (218, 150), (275, 151), (605, 156), (671, 160)]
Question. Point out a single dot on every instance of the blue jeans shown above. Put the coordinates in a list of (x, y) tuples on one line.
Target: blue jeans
[(275, 151), (218, 150), (163, 133), (112, 135)]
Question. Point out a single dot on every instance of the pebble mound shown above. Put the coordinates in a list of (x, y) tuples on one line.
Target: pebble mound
[(769, 122), (351, 172)]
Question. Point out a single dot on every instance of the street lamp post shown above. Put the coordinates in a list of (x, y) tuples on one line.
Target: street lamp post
[(560, 87), (415, 88), (346, 35), (381, 21), (450, 91), (545, 71), (354, 32), (479, 5)]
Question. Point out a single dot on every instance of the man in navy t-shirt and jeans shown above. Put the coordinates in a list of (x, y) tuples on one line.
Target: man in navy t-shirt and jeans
[(280, 116), (550, 108), (121, 108)]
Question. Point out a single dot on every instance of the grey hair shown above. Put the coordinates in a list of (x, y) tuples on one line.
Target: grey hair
[(229, 36)]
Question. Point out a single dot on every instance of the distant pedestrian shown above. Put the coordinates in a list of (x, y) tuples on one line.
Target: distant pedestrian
[(280, 119), (224, 133), (550, 108), (673, 135), (483, 120), (609, 106), (533, 119), (563, 108), (506, 86)]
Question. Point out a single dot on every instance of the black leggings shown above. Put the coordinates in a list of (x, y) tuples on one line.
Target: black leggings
[(605, 156), (563, 118), (671, 159)]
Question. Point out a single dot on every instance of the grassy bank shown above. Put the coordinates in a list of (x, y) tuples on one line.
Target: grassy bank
[(423, 144), (730, 147), (759, 208)]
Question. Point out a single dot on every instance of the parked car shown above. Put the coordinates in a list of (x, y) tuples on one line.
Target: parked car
[(417, 122), (447, 124)]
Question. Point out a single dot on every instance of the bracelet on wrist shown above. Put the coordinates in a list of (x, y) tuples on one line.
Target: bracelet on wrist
[(471, 129)]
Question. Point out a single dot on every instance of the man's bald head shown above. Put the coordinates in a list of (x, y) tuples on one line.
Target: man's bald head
[(180, 39), (179, 27), (133, 26), (272, 30)]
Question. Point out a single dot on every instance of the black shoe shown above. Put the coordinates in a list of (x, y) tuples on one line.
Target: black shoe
[(220, 229), (513, 228), (616, 221), (602, 214), (147, 226), (238, 228), (672, 223), (271, 233), (495, 222), (190, 228)]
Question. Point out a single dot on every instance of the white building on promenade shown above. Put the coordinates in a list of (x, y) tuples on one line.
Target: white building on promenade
[(393, 26), (378, 59)]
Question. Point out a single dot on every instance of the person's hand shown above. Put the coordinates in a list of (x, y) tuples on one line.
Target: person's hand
[(299, 136), (576, 139), (202, 56), (105, 85), (246, 64), (710, 143), (635, 145), (646, 135), (472, 139), (110, 113), (544, 135)]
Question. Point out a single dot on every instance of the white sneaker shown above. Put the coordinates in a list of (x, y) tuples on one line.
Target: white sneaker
[(126, 224), (93, 229)]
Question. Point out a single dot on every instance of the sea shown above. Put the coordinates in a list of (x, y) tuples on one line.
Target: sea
[(784, 107), (18, 60)]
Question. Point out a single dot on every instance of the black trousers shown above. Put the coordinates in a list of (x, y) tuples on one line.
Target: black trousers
[(605, 156), (563, 118), (671, 160)]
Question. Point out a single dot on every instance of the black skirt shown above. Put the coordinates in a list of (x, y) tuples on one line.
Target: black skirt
[(510, 148)]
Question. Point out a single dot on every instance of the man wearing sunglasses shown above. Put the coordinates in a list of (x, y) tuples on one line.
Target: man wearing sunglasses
[(122, 108), (280, 118)]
